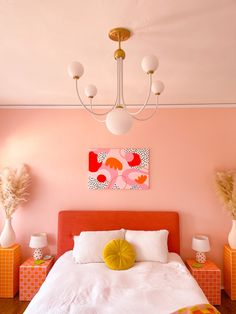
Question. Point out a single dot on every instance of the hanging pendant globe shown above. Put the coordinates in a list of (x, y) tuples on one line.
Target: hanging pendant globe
[(149, 64), (119, 121)]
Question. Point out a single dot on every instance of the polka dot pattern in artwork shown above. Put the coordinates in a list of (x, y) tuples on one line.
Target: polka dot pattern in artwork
[(93, 184), (31, 277), (143, 153)]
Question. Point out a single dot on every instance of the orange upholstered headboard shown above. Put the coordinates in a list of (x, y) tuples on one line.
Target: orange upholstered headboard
[(71, 223)]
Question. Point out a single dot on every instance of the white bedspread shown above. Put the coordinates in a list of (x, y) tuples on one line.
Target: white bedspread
[(146, 288)]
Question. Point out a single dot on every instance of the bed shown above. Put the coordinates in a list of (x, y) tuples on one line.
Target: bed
[(147, 287)]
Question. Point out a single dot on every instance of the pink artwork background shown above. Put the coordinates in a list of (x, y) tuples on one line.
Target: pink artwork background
[(118, 169)]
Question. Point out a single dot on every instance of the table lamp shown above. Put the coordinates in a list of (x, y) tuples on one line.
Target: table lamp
[(200, 244), (37, 242)]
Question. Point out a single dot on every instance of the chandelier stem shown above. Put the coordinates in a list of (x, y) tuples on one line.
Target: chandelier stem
[(119, 42), (120, 95), (122, 84), (85, 106), (147, 97), (118, 82)]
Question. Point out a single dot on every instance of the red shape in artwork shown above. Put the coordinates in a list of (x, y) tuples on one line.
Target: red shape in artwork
[(101, 178), (136, 160), (94, 165)]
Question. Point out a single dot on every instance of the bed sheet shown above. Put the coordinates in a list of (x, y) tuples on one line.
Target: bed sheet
[(148, 287)]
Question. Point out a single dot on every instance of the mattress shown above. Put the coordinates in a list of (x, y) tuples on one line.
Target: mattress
[(148, 287)]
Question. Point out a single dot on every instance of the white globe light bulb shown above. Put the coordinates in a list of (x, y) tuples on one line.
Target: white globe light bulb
[(75, 70), (157, 87), (119, 121), (149, 64), (90, 91)]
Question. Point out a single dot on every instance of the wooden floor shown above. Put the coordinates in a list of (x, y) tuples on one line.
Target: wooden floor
[(14, 306), (227, 306)]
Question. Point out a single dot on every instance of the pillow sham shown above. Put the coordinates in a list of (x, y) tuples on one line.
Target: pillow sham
[(118, 254), (149, 245), (88, 246)]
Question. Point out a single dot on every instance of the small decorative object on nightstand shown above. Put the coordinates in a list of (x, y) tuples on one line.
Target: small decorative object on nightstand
[(37, 242), (200, 243), (9, 271), (230, 271), (208, 277), (32, 276)]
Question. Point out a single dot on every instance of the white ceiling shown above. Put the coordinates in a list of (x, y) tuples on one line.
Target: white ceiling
[(195, 42)]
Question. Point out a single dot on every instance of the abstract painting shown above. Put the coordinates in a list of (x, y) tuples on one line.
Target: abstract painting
[(118, 169)]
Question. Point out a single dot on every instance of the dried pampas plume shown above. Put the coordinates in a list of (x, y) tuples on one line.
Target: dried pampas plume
[(226, 188), (14, 184)]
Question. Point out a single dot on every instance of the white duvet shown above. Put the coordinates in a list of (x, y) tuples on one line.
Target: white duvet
[(146, 288)]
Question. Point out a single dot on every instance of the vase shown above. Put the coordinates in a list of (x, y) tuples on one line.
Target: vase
[(8, 236), (232, 235)]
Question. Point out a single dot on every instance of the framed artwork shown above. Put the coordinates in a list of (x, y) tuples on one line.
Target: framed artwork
[(118, 169)]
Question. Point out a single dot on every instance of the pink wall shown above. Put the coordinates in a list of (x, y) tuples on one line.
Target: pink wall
[(186, 146)]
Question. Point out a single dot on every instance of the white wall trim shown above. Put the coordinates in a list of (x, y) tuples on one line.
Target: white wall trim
[(99, 106)]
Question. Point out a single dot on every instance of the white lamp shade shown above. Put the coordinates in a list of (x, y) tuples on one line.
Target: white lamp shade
[(90, 91), (149, 64), (119, 121), (200, 243), (38, 240), (157, 87), (75, 69)]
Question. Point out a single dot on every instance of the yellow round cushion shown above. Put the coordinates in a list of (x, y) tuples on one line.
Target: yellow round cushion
[(118, 254)]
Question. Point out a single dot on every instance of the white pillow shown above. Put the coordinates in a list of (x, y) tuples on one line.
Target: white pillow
[(149, 245), (88, 246)]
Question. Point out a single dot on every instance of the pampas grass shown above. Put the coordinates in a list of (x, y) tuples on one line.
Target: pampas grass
[(226, 189), (13, 188)]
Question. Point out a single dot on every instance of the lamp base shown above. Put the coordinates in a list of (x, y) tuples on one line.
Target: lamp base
[(201, 257), (38, 254)]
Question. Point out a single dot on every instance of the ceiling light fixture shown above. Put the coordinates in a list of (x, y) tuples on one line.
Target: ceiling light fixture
[(118, 119)]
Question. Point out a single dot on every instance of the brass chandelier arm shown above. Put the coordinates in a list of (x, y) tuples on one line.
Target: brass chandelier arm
[(86, 107), (94, 117), (151, 115), (121, 93), (147, 97)]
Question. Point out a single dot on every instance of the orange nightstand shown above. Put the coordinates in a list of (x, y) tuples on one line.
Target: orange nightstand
[(31, 277), (230, 271), (208, 278), (9, 271)]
